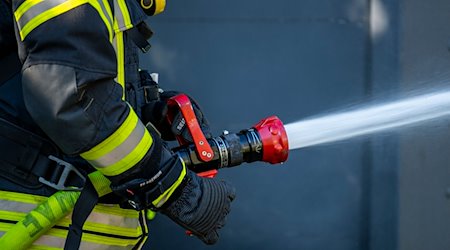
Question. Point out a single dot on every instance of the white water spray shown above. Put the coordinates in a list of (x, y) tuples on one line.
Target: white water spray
[(368, 120)]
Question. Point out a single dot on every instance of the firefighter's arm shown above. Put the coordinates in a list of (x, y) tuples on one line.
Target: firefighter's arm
[(69, 90)]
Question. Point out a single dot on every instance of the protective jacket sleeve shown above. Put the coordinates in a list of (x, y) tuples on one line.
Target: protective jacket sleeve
[(69, 67)]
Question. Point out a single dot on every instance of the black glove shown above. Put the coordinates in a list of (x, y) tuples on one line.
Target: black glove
[(156, 113), (198, 204), (202, 207)]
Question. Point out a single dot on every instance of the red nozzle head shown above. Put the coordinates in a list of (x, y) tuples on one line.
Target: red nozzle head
[(274, 140)]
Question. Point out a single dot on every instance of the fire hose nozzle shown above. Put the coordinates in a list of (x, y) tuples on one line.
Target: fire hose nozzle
[(274, 140), (267, 141)]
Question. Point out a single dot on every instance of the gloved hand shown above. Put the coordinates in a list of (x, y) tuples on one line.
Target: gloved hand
[(156, 113), (162, 183), (202, 207)]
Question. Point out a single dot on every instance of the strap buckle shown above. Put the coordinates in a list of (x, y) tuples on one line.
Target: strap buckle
[(66, 174), (150, 87)]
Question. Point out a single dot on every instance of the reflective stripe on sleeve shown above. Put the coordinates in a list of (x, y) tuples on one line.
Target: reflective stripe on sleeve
[(118, 44), (104, 10), (32, 13), (123, 149), (122, 22), (166, 195), (122, 16)]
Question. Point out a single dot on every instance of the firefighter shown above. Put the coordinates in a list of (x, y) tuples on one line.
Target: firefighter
[(70, 77)]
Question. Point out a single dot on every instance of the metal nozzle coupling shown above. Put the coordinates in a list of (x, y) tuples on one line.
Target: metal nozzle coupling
[(266, 141)]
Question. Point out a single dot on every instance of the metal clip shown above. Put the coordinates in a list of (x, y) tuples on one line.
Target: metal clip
[(61, 183)]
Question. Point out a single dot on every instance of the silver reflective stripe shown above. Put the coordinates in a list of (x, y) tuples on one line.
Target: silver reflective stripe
[(58, 242), (116, 220), (121, 151), (36, 10), (16, 206), (95, 217), (20, 209), (104, 10), (122, 16), (119, 15), (106, 219), (114, 44)]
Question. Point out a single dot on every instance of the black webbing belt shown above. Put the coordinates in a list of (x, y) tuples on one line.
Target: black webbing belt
[(30, 160)]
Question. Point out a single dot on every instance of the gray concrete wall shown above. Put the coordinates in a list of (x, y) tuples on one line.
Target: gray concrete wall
[(424, 204)]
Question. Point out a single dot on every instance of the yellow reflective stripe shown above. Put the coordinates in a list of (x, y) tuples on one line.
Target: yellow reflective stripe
[(121, 150), (54, 209), (160, 6), (40, 11), (25, 14), (122, 16), (61, 235), (105, 228), (11, 215), (145, 236), (112, 209), (114, 140), (166, 195), (56, 238), (122, 22), (19, 197), (111, 228), (131, 159), (35, 247), (120, 54), (102, 7), (108, 10), (24, 7), (46, 15), (97, 239), (116, 210)]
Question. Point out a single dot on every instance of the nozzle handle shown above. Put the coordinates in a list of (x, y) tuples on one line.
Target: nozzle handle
[(202, 146)]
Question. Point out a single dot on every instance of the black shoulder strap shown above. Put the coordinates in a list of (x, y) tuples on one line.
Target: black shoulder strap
[(81, 211), (140, 34)]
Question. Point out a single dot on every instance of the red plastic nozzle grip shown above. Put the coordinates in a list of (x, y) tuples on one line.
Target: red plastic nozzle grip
[(202, 147)]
